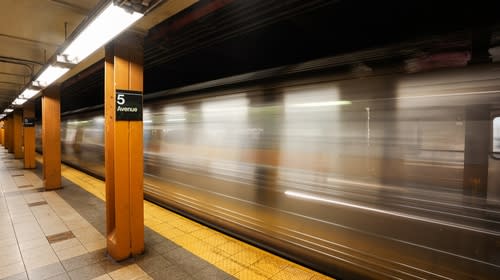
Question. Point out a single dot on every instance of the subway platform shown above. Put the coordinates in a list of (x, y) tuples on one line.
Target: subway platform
[(60, 235)]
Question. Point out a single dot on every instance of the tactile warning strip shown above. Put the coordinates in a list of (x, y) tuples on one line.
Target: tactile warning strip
[(239, 259)]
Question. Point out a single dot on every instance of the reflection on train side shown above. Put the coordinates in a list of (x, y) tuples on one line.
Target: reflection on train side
[(496, 135), (382, 177)]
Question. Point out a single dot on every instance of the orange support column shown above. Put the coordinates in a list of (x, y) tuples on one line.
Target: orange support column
[(9, 133), (6, 133), (18, 133), (6, 123), (2, 141), (29, 135), (124, 148), (51, 138)]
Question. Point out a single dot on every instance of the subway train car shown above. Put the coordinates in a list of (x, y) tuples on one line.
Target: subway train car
[(381, 175)]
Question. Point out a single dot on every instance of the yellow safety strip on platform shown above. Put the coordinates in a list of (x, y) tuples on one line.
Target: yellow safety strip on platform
[(236, 258)]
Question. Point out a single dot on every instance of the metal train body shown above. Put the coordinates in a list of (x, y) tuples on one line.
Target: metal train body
[(359, 177)]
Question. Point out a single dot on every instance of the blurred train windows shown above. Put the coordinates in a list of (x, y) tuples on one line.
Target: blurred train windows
[(222, 120), (170, 125), (164, 126), (224, 109), (175, 114), (313, 131), (496, 137)]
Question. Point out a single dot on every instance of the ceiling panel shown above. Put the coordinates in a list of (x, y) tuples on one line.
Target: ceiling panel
[(30, 33), (32, 30)]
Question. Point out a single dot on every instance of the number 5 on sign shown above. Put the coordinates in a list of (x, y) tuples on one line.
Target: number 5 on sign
[(120, 99)]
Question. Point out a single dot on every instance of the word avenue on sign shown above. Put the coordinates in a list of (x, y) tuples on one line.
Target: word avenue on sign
[(128, 105)]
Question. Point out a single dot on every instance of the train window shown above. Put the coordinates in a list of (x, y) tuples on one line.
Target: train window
[(496, 137)]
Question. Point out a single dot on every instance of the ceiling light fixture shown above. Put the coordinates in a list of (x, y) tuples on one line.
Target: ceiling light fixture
[(108, 20), (19, 101), (49, 75), (29, 93), (107, 25)]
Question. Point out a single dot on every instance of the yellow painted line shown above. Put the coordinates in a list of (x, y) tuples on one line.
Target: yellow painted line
[(236, 258)]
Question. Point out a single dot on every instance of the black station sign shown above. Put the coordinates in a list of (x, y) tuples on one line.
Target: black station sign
[(128, 105), (29, 122)]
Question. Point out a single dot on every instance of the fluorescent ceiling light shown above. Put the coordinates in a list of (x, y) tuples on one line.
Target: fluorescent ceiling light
[(8, 110), (109, 23), (28, 93), (50, 74), (19, 101)]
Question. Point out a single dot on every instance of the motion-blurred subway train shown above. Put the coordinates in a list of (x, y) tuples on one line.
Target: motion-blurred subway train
[(355, 173)]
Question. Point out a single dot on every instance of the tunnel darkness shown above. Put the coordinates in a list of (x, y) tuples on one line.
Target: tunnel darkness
[(245, 36)]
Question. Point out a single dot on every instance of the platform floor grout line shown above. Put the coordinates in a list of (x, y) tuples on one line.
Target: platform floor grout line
[(162, 258), (60, 234), (36, 244), (236, 258)]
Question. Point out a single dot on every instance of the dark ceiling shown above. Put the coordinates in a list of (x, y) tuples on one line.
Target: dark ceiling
[(220, 38)]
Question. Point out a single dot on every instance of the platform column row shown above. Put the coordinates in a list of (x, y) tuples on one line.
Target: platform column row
[(18, 136), (13, 132), (123, 144)]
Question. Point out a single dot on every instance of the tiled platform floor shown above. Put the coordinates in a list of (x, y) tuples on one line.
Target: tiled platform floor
[(60, 235)]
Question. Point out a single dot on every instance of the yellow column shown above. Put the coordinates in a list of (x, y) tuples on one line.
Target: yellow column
[(18, 133), (7, 133), (51, 138), (29, 135), (10, 133), (2, 133), (123, 150)]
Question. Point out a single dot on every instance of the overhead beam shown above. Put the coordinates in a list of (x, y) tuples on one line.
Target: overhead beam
[(20, 60), (8, 89), (11, 83), (12, 74), (71, 6), (31, 41)]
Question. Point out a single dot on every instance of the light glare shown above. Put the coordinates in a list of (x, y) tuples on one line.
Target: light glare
[(176, 120), (28, 93), (19, 101), (105, 27), (51, 74), (323, 104)]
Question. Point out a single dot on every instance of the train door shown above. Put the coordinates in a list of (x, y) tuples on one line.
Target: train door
[(493, 194)]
